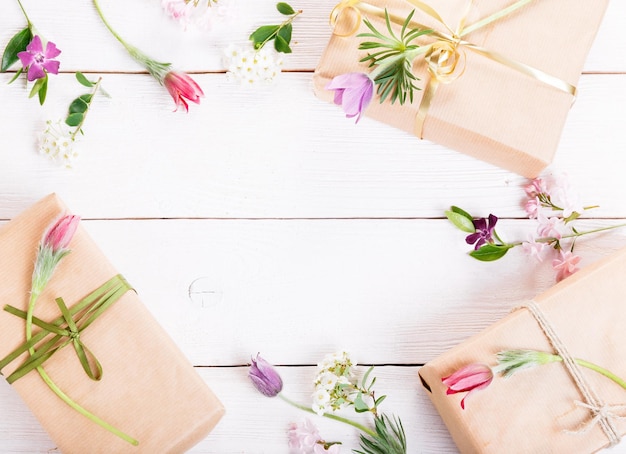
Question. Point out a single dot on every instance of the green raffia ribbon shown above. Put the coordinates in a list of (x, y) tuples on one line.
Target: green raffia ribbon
[(65, 330)]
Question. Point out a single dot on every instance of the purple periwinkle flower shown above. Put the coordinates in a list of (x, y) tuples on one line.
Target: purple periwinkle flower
[(353, 92), (484, 231), (264, 377), (39, 61)]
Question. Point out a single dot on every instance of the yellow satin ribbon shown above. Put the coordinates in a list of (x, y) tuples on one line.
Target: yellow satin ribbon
[(445, 58)]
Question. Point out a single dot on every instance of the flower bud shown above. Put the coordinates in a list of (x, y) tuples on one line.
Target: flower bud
[(264, 377), (61, 233), (468, 379)]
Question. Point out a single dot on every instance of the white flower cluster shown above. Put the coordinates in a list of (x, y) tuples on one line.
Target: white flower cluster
[(57, 143), (334, 383), (198, 13), (250, 67)]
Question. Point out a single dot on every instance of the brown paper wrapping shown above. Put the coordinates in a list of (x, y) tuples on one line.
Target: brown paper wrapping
[(148, 390), (531, 411), (491, 112)]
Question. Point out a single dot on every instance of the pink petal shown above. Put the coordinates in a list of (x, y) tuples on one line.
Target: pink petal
[(26, 58), (52, 66), (35, 46), (51, 50), (35, 72)]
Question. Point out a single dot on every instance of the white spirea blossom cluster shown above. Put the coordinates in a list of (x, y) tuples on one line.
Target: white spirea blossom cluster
[(57, 143), (251, 67), (334, 383)]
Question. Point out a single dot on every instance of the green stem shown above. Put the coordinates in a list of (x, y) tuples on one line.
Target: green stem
[(600, 370), (273, 35), (93, 93), (30, 24), (64, 397), (551, 239), (68, 400), (361, 427)]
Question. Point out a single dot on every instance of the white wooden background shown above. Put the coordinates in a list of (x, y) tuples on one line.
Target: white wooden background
[(308, 233)]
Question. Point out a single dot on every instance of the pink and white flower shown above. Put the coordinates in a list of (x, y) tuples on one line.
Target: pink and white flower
[(565, 264), (553, 227), (470, 378), (39, 61), (180, 87), (353, 92), (534, 249)]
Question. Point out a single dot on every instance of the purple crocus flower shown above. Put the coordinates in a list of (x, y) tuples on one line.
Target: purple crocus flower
[(484, 231), (38, 61), (353, 92), (264, 377)]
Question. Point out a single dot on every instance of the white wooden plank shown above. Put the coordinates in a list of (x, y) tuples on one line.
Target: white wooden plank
[(84, 40), (280, 152), (255, 424), (390, 291)]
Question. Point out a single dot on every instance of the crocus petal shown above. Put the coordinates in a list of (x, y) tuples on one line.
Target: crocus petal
[(264, 377), (51, 50), (61, 232), (180, 85), (35, 46)]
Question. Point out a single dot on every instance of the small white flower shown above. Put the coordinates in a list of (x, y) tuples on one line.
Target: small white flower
[(250, 67), (327, 380), (57, 143)]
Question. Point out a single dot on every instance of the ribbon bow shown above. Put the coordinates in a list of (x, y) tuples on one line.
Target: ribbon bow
[(66, 330), (445, 57)]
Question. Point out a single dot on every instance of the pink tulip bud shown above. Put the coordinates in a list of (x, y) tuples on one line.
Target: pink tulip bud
[(468, 379), (181, 86), (60, 234), (265, 378)]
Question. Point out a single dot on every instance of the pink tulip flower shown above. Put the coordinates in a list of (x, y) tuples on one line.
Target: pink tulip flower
[(470, 378), (181, 86), (39, 61), (353, 92), (61, 233)]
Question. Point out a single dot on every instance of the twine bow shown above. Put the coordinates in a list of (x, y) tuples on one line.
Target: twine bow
[(445, 57), (66, 330), (602, 414)]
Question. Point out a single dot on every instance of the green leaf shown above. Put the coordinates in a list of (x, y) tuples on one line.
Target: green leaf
[(78, 106), (366, 376), (359, 404), (36, 87), (17, 44), (74, 119), (43, 91), (17, 74), (284, 8), (263, 34), (490, 252), (460, 221), (80, 77), (378, 401), (281, 45), (285, 32)]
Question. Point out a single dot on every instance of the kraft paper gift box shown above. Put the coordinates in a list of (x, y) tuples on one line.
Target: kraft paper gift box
[(148, 388), (491, 112), (535, 410)]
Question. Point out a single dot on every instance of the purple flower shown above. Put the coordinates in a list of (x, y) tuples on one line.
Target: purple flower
[(484, 231), (353, 92), (264, 377), (38, 61)]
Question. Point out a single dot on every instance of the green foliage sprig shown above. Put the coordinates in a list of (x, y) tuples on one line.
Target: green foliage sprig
[(280, 34), (394, 57)]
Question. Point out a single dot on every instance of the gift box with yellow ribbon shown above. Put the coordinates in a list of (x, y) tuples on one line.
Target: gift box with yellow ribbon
[(82, 350), (495, 79), (550, 377)]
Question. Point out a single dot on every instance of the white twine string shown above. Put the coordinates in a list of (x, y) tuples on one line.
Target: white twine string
[(603, 414)]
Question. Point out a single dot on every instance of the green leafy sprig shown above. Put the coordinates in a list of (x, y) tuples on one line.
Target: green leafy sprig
[(281, 33), (393, 57), (389, 439), (79, 107)]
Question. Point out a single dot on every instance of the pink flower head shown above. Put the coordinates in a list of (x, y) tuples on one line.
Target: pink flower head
[(550, 227), (534, 249), (353, 92), (536, 187), (181, 86), (38, 61), (61, 233), (532, 207), (470, 378), (265, 378), (304, 438), (484, 231), (565, 264)]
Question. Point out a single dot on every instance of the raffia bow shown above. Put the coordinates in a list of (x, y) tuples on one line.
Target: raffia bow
[(445, 56)]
